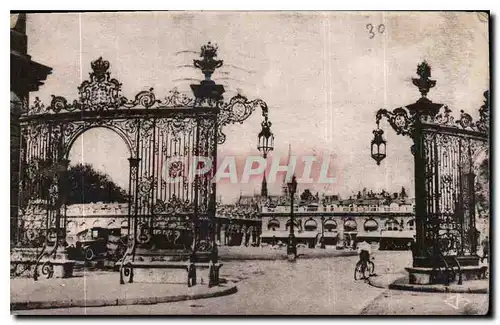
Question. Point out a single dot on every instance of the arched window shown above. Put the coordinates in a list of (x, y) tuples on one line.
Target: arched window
[(350, 225), (330, 225), (411, 224), (371, 225), (310, 225), (392, 225), (296, 224), (273, 224)]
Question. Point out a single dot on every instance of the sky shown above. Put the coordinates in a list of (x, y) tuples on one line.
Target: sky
[(323, 76)]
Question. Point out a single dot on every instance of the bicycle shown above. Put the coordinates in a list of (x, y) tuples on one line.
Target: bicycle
[(363, 268)]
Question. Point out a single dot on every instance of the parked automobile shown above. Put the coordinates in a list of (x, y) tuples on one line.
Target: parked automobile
[(97, 243)]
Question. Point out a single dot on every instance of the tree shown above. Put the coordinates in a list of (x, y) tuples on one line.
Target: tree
[(306, 196), (482, 188), (86, 185)]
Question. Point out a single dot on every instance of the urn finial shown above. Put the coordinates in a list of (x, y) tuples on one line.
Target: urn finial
[(424, 83)]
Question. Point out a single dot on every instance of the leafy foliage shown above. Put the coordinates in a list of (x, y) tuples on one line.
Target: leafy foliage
[(306, 196), (88, 185), (482, 188)]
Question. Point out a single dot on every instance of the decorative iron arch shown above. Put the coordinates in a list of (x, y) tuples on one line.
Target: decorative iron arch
[(159, 133), (72, 139)]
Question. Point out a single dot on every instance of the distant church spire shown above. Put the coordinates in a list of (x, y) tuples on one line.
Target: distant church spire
[(289, 153), (263, 189)]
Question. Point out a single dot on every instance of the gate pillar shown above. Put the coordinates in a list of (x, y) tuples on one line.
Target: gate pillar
[(444, 151)]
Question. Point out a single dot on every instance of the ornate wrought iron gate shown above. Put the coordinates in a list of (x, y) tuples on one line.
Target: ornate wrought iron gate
[(169, 207), (448, 154), (451, 152)]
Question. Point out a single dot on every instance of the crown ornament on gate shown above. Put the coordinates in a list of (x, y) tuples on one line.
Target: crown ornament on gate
[(99, 69)]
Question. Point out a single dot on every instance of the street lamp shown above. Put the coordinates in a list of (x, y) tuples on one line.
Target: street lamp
[(265, 144), (291, 249), (266, 137), (322, 244), (378, 145)]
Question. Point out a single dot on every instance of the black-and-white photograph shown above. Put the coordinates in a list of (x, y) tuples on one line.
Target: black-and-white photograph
[(250, 163)]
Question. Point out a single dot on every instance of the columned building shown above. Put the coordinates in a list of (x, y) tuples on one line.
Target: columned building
[(341, 223), (26, 76)]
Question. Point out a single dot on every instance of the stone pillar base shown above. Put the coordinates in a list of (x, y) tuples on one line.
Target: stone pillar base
[(169, 275), (424, 275)]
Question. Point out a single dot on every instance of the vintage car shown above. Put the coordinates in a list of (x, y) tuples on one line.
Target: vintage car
[(98, 243)]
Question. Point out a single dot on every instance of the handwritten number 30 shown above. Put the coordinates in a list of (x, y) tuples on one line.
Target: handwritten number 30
[(380, 29)]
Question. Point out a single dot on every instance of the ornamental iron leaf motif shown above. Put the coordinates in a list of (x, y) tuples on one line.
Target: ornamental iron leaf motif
[(402, 120), (237, 110), (399, 120), (101, 92), (483, 124), (444, 118)]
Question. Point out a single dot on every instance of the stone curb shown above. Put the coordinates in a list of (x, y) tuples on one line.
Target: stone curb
[(27, 305), (430, 288), (423, 288), (282, 257), (374, 283)]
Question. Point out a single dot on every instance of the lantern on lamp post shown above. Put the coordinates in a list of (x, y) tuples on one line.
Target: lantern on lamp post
[(266, 144), (378, 145), (266, 137)]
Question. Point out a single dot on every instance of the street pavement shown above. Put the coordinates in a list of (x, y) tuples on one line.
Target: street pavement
[(400, 302), (307, 287)]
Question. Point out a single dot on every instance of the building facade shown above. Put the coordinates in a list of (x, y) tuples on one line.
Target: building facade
[(338, 225), (238, 224)]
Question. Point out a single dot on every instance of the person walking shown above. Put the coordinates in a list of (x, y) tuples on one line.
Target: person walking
[(485, 245), (413, 246)]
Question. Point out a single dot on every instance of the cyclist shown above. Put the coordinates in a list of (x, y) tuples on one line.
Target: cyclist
[(364, 251), (364, 267)]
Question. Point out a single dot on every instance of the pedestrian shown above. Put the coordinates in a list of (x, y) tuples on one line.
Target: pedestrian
[(485, 245), (413, 246)]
